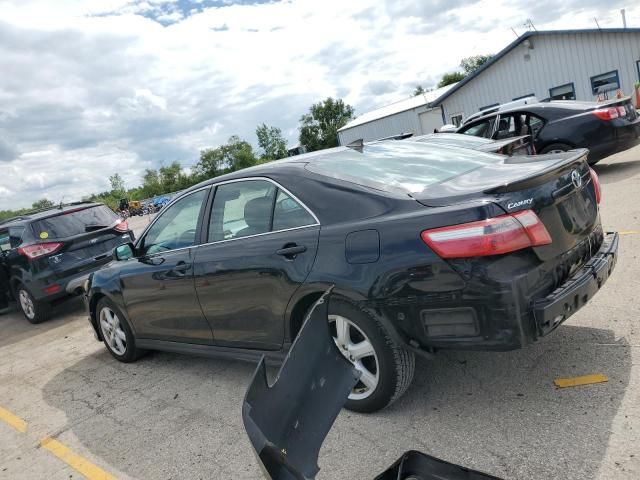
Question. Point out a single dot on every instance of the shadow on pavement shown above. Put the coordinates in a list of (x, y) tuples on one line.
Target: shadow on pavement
[(15, 327), (173, 416), (616, 171)]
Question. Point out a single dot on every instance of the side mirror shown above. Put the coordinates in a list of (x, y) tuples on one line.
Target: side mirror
[(123, 252)]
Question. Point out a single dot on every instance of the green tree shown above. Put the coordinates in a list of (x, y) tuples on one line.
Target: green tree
[(270, 140), (233, 155), (117, 183), (449, 78), (319, 128), (41, 204), (471, 64), (418, 91)]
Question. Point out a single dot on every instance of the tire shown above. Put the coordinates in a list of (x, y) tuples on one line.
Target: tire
[(33, 310), (388, 369), (556, 147), (122, 344)]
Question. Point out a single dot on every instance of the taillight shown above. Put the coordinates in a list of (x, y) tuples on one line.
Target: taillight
[(121, 226), (493, 236), (39, 249), (596, 184), (622, 112), (607, 113)]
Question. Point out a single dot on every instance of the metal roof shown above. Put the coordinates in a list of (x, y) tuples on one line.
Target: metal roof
[(517, 42), (425, 99)]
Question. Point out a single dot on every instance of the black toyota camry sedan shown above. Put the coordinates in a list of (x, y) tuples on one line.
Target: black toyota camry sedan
[(427, 247)]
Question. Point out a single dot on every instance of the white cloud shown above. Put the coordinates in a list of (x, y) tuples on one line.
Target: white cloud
[(93, 87)]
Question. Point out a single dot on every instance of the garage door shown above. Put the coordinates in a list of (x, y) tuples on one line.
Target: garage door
[(430, 120)]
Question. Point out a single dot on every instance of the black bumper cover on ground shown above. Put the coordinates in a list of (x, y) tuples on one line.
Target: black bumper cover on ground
[(564, 301), (288, 421)]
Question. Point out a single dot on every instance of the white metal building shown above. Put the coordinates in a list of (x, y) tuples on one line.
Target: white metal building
[(560, 64), (415, 115)]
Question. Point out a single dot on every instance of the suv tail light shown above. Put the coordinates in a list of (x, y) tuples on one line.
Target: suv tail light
[(596, 184), (622, 112), (493, 236), (39, 249), (607, 113), (121, 226)]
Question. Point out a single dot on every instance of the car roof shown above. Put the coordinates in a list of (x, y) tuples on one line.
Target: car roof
[(49, 212)]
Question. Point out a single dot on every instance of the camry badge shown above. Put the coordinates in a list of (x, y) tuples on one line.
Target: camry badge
[(576, 179)]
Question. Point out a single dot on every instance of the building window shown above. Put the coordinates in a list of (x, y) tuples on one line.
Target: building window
[(605, 82), (457, 119), (563, 92), (524, 96)]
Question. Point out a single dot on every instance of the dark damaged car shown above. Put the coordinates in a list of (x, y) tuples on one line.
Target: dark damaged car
[(427, 247)]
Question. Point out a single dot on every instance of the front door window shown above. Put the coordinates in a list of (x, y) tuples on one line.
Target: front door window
[(177, 225)]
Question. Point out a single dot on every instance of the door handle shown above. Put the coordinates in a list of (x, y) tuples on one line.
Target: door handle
[(290, 250), (181, 268)]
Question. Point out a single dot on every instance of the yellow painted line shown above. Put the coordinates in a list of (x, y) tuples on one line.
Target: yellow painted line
[(75, 461), (629, 232), (584, 380), (12, 420)]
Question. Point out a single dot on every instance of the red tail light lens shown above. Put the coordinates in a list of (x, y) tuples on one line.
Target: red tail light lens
[(606, 113), (622, 112), (39, 249), (493, 236), (122, 226), (596, 184), (53, 288)]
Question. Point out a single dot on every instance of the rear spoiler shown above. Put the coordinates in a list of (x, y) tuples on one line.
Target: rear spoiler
[(288, 421), (566, 160)]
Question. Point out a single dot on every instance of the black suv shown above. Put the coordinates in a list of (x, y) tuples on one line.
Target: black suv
[(48, 254)]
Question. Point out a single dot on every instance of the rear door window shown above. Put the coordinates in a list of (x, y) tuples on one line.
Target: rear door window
[(290, 214), (241, 209), (74, 222)]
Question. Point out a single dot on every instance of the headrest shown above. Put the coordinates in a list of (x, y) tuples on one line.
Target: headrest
[(257, 212)]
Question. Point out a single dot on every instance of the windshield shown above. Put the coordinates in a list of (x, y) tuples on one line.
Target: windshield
[(74, 222), (405, 165)]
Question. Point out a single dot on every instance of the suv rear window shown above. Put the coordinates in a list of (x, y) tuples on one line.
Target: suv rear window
[(74, 222), (408, 166)]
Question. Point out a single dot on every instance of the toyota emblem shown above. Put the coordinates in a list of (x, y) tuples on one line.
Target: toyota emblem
[(576, 179)]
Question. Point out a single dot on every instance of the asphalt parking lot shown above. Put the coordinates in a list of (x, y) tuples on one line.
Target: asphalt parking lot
[(177, 417)]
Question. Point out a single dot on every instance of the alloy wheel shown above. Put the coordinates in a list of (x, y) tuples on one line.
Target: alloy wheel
[(26, 303), (356, 347), (112, 331)]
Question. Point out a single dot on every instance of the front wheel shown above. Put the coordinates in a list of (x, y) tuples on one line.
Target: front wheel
[(33, 310), (386, 368)]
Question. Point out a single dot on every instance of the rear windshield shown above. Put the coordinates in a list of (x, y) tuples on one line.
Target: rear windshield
[(401, 165), (74, 222)]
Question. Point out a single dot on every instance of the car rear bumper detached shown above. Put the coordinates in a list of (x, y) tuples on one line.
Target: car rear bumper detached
[(564, 301), (502, 306)]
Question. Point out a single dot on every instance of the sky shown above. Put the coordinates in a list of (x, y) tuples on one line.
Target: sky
[(89, 88)]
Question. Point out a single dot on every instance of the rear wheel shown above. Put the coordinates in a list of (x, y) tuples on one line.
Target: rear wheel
[(116, 333), (34, 311), (556, 148), (386, 368)]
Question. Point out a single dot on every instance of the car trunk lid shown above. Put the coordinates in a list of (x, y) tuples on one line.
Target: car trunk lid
[(557, 187)]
